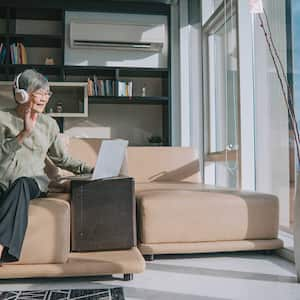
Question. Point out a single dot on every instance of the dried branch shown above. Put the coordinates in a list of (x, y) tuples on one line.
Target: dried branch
[(286, 90)]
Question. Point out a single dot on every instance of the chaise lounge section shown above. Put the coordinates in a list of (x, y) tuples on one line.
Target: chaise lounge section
[(179, 214), (180, 219)]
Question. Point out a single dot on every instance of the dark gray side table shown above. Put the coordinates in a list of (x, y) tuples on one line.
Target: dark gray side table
[(103, 214)]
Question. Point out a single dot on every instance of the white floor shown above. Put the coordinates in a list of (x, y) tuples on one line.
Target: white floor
[(206, 276), (287, 239)]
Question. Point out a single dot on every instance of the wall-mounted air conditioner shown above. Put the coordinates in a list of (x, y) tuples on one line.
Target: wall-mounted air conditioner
[(117, 36)]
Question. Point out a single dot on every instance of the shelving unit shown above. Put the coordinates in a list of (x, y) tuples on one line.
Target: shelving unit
[(128, 100), (71, 96), (42, 32)]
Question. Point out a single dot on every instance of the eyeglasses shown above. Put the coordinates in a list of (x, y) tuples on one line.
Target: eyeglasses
[(40, 94)]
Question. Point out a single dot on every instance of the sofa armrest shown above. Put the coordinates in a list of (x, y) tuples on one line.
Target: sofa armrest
[(47, 238)]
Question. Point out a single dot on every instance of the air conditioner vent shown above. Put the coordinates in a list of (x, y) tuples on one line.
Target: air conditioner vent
[(117, 36)]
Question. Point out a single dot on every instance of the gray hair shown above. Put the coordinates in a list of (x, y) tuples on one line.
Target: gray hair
[(31, 80)]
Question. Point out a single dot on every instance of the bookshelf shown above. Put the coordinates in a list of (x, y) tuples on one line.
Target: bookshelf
[(41, 29), (128, 100)]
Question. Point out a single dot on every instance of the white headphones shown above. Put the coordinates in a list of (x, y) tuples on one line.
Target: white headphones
[(21, 95)]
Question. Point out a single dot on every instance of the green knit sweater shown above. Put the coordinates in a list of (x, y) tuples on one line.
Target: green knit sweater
[(28, 159)]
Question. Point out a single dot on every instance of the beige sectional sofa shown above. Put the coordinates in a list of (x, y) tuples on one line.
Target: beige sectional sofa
[(176, 214)]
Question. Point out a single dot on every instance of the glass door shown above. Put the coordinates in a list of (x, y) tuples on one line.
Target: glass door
[(221, 96)]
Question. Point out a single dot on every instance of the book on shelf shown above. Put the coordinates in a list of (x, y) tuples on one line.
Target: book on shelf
[(2, 53), (18, 54), (125, 88), (101, 87), (90, 87), (95, 85), (23, 54)]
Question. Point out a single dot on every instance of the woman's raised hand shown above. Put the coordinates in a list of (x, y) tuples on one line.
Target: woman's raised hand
[(30, 118)]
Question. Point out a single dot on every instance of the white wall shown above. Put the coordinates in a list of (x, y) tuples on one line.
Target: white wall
[(133, 122), (100, 57)]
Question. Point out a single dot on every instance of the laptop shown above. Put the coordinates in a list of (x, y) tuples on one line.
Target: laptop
[(109, 161)]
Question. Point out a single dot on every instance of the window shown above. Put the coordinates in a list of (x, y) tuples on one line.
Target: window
[(221, 97)]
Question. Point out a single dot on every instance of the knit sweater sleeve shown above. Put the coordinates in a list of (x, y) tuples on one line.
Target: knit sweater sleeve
[(58, 154), (8, 144)]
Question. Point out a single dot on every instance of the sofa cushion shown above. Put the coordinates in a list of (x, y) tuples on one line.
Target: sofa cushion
[(62, 196), (85, 149), (47, 239), (185, 216), (163, 164), (160, 164), (162, 186)]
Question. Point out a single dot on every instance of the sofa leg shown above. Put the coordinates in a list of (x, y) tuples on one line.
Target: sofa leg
[(149, 257), (128, 277)]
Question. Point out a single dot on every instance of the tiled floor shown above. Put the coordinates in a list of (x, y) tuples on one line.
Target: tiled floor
[(206, 276)]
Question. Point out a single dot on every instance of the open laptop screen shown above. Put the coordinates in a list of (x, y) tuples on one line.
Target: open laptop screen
[(110, 158)]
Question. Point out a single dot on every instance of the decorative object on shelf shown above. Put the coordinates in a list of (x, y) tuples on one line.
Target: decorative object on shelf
[(49, 61), (256, 7), (155, 140), (144, 91), (59, 107)]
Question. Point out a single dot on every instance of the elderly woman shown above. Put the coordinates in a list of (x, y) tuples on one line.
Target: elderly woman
[(27, 136)]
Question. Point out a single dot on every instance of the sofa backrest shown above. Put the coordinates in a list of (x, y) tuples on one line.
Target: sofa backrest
[(145, 164), (148, 164), (85, 149)]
